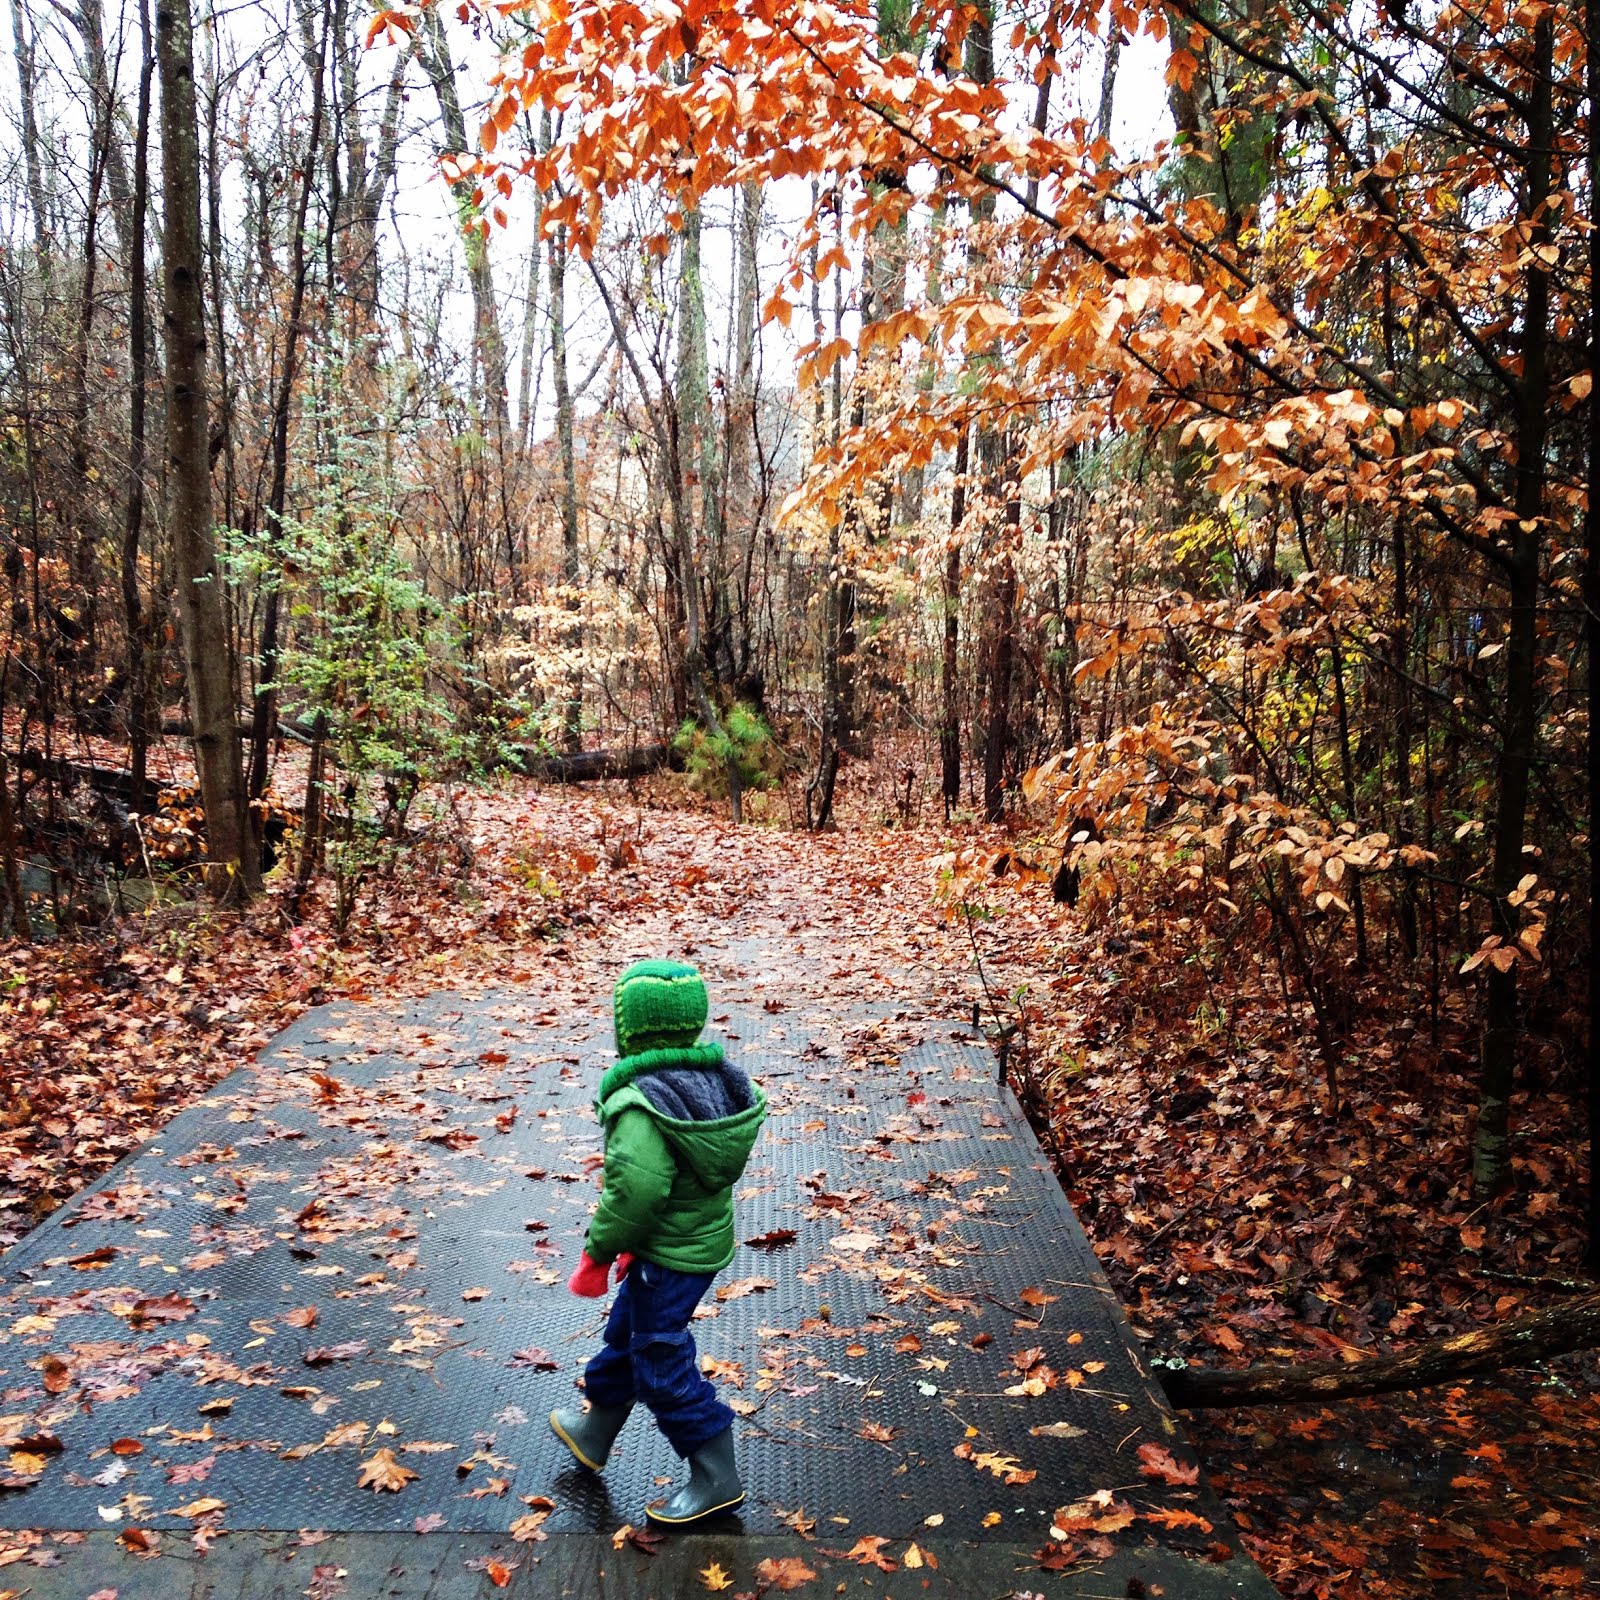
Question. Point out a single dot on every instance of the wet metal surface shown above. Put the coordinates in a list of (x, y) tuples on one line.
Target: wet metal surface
[(933, 1356)]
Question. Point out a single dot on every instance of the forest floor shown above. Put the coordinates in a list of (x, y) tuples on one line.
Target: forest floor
[(1239, 1221)]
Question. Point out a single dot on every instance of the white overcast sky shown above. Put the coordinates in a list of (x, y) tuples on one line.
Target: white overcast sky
[(422, 210)]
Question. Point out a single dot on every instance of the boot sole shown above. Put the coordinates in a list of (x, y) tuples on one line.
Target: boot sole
[(652, 1515), (567, 1439)]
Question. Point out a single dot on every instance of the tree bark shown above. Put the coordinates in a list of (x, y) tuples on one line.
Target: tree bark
[(231, 873), (38, 198), (264, 710), (1591, 634), (1497, 1057), (138, 381), (997, 733), (696, 456), (949, 682), (10, 864), (572, 712), (588, 766), (1529, 1339)]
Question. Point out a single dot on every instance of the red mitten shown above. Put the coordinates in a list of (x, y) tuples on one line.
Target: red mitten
[(623, 1262), (590, 1278)]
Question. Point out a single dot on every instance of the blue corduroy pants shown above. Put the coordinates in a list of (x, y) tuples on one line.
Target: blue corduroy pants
[(649, 1356)]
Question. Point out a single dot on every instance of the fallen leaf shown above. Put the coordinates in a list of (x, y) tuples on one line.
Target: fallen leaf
[(199, 1508), (381, 1471), (784, 1572), (740, 1287), (1177, 1517), (777, 1239), (322, 1355), (868, 1552), (539, 1360), (1156, 1461)]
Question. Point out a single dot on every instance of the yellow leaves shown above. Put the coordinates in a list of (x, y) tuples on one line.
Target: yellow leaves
[(714, 1578), (867, 1551), (199, 1508), (1493, 952), (738, 1288), (784, 1572), (1006, 1468), (383, 1472)]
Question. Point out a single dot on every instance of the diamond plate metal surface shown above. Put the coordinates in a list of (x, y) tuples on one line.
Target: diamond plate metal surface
[(421, 1175)]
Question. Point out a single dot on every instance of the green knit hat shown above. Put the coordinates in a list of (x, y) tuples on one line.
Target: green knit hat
[(660, 1005)]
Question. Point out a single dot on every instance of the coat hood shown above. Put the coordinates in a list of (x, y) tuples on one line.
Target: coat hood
[(708, 1111)]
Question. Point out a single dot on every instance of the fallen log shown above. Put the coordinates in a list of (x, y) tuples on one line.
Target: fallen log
[(283, 728), (586, 766), (108, 782), (1520, 1342)]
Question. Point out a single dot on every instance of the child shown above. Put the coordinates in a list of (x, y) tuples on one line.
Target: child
[(679, 1124)]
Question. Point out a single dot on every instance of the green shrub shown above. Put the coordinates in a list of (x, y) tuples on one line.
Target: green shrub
[(745, 737)]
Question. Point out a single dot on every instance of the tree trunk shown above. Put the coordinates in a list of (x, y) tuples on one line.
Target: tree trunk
[(1591, 634), (696, 453), (1491, 1160), (572, 712), (742, 493), (1529, 1339), (949, 683), (38, 199), (588, 766), (265, 709), (138, 381), (1108, 80), (10, 864), (439, 66), (231, 873), (313, 811), (997, 733), (527, 390)]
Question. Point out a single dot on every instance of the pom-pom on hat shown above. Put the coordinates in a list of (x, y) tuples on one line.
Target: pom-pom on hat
[(659, 1005)]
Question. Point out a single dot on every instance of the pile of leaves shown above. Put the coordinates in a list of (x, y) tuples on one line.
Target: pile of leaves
[(1182, 1092)]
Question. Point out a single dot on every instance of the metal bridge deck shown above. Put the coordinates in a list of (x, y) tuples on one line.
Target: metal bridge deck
[(360, 1243)]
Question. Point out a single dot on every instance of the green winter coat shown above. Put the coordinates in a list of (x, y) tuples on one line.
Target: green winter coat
[(668, 1192)]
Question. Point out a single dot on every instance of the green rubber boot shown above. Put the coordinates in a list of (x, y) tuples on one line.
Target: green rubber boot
[(590, 1434), (713, 1486)]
